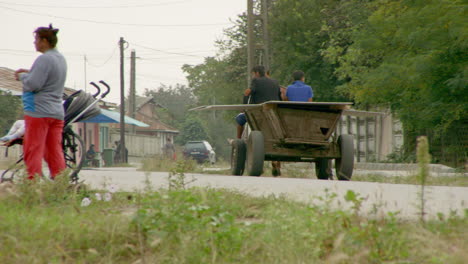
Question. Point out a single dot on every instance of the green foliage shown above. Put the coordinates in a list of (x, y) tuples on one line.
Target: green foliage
[(199, 225), (220, 81), (411, 56), (163, 163), (191, 129), (176, 101), (301, 31), (10, 108), (42, 222)]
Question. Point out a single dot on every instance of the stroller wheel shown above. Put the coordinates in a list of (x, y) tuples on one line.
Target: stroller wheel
[(74, 152)]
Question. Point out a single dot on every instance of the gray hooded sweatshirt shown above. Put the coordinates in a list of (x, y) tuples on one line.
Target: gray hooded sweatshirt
[(43, 86)]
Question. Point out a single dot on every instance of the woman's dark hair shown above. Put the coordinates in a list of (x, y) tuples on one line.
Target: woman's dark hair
[(298, 75), (260, 69), (48, 33)]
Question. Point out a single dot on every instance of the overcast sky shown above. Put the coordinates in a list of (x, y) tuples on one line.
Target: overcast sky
[(164, 33)]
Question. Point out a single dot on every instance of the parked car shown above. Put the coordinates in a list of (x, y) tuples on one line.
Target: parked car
[(201, 151)]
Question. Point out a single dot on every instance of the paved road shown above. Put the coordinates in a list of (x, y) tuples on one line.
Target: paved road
[(386, 198)]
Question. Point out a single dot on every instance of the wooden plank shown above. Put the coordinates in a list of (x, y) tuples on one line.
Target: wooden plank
[(362, 113), (275, 152), (358, 137), (240, 107), (366, 136), (274, 122), (308, 125), (306, 141)]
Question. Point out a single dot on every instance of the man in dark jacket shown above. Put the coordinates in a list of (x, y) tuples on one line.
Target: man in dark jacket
[(262, 89)]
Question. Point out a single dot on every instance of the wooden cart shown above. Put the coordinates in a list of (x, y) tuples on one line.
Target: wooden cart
[(294, 132)]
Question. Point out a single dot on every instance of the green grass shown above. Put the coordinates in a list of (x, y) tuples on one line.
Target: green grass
[(44, 222), (162, 163)]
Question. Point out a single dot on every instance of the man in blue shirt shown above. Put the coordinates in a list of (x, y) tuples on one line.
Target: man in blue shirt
[(299, 91)]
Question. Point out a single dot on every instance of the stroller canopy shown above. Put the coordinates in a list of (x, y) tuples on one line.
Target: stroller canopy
[(78, 104)]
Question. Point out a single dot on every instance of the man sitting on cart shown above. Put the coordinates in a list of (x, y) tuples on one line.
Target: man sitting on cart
[(262, 89), (298, 91)]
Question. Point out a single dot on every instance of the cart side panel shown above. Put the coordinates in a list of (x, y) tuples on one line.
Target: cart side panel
[(259, 121), (298, 154), (307, 126)]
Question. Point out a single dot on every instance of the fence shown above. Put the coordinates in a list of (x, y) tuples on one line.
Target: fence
[(376, 134), (141, 145)]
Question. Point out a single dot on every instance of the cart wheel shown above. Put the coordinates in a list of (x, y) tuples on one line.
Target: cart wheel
[(255, 153), (238, 157), (323, 169), (344, 165), (73, 149)]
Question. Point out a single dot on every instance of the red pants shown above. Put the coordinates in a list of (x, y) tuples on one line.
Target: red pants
[(43, 140)]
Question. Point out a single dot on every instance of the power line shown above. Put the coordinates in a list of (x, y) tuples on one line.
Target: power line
[(114, 23), (95, 7), (167, 52), (32, 52), (106, 61), (161, 79)]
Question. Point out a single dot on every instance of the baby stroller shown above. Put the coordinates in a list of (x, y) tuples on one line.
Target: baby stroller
[(78, 107)]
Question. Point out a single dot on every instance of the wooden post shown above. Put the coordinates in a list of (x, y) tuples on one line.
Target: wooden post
[(122, 102), (376, 153), (132, 98), (254, 44), (358, 139), (366, 137)]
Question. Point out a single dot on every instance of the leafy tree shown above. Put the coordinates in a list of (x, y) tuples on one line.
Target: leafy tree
[(176, 101), (10, 109), (191, 129), (411, 56), (222, 79), (297, 40), (406, 55)]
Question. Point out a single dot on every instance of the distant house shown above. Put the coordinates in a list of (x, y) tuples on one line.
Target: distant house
[(146, 112), (9, 84), (145, 141)]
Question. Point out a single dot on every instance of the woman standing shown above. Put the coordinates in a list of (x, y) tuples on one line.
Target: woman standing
[(43, 87)]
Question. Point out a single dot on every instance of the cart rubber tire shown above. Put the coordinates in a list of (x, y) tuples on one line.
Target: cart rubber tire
[(345, 164), (323, 169), (255, 153), (238, 152)]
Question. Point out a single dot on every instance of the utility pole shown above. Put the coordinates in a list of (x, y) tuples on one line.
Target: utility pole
[(85, 138), (132, 99), (266, 35), (122, 102), (258, 49)]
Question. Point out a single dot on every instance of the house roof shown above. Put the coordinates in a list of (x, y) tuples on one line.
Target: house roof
[(8, 83), (154, 122), (141, 101)]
